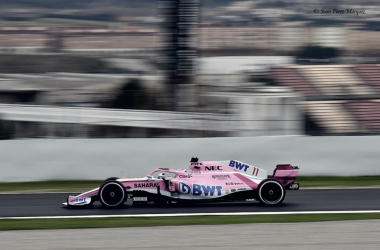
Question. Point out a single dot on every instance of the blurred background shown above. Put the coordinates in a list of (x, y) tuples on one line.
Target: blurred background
[(209, 68)]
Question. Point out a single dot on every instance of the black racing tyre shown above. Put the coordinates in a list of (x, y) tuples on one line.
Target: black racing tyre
[(112, 194), (110, 179), (271, 192)]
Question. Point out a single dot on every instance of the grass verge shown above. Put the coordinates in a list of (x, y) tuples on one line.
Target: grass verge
[(82, 186), (48, 186), (28, 224), (337, 181)]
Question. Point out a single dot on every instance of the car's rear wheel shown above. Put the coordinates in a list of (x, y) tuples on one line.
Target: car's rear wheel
[(112, 194), (271, 192)]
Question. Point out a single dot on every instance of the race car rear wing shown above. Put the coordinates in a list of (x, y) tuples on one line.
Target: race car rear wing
[(286, 174)]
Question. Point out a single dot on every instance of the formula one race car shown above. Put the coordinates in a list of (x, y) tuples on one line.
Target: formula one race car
[(208, 181)]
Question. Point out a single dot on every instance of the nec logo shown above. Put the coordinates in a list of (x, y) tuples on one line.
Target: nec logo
[(238, 165), (213, 168), (80, 199), (199, 189)]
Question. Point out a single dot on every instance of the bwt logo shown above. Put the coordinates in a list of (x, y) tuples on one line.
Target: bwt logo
[(238, 165), (80, 199), (199, 189)]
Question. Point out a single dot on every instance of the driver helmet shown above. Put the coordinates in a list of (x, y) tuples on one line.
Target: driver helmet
[(161, 176)]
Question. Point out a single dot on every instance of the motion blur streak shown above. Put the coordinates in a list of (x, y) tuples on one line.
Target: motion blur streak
[(232, 69), (97, 159), (254, 67), (335, 235), (192, 214)]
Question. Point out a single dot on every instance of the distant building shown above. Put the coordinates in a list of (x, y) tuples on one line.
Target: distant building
[(230, 65), (366, 41), (216, 37), (291, 36)]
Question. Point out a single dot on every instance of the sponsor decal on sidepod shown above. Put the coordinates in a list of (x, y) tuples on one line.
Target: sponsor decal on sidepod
[(234, 183), (185, 176), (197, 189), (145, 185), (221, 176)]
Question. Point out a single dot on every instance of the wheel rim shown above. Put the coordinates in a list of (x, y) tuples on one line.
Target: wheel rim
[(271, 192), (112, 194)]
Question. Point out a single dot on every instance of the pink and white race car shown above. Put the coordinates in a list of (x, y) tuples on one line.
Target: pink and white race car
[(208, 181)]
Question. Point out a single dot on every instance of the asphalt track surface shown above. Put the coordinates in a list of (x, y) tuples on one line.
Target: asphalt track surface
[(28, 205), (337, 235), (347, 235)]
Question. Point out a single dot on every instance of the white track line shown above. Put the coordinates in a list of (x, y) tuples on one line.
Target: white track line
[(197, 214)]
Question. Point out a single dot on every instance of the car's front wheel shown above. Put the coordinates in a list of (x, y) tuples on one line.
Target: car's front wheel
[(112, 194), (271, 192), (110, 179)]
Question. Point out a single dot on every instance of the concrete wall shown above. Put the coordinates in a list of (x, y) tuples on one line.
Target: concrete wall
[(63, 159)]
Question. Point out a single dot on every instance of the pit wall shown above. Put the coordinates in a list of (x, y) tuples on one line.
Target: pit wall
[(97, 159)]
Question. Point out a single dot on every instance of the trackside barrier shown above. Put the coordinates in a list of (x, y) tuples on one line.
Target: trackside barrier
[(81, 159)]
